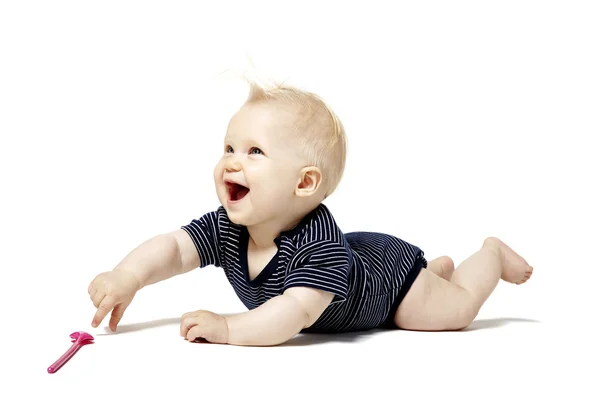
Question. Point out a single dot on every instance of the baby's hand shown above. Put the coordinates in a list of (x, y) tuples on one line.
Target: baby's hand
[(204, 325), (112, 290)]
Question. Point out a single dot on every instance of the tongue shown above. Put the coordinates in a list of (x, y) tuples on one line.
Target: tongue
[(240, 192)]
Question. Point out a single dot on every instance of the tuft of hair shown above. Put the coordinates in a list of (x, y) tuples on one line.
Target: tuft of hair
[(317, 132)]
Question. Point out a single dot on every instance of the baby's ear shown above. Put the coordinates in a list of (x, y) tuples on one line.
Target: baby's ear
[(309, 181)]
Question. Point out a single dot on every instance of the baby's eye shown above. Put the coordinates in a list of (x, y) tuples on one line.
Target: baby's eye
[(228, 149), (255, 150)]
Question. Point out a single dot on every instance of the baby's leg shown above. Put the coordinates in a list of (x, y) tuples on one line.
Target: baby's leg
[(434, 304), (442, 266)]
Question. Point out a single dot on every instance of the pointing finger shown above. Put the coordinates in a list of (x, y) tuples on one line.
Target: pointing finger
[(116, 316), (104, 308), (98, 297)]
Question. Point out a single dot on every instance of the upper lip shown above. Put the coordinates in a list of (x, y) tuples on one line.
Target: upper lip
[(231, 181)]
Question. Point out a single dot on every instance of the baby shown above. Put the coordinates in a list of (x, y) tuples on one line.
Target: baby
[(283, 253)]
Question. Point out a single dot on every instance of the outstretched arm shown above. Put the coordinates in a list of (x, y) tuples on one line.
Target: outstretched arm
[(275, 322)]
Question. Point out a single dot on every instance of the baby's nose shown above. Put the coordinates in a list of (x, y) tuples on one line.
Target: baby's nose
[(233, 165)]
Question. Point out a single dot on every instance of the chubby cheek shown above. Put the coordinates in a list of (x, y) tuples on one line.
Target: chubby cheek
[(274, 188), (217, 173), (218, 178)]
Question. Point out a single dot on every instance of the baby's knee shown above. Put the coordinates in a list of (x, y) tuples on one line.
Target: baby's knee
[(466, 315), (447, 263)]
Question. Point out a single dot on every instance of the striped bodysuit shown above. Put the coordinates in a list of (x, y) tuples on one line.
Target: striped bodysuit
[(369, 273)]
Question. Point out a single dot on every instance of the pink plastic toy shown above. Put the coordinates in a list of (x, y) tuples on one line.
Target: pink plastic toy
[(79, 340)]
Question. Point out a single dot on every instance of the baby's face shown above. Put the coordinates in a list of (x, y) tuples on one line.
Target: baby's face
[(256, 177)]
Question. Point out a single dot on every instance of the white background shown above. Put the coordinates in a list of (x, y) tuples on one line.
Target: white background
[(465, 119)]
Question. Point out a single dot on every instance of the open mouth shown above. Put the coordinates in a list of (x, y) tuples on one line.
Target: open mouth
[(236, 191)]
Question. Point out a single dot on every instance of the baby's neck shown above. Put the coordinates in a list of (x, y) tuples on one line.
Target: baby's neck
[(264, 235)]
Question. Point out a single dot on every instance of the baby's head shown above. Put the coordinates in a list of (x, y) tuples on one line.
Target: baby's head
[(284, 152)]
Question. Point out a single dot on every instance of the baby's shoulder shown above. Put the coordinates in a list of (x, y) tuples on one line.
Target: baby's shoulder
[(319, 226), (217, 223)]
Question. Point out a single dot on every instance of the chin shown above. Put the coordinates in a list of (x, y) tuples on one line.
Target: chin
[(235, 216), (236, 220)]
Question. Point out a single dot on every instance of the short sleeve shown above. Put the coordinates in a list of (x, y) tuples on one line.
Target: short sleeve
[(204, 232), (326, 267)]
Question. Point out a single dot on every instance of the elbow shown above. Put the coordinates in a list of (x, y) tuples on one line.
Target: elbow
[(302, 313), (309, 303)]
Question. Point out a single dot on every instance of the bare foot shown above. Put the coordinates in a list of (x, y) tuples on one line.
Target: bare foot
[(514, 267)]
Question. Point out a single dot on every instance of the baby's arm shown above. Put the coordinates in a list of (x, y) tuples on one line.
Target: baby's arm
[(157, 259), (279, 319), (161, 258)]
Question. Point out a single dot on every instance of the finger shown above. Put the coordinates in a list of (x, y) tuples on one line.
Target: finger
[(116, 316), (92, 291), (189, 314), (104, 308), (186, 324), (98, 297), (183, 326), (194, 333), (93, 296)]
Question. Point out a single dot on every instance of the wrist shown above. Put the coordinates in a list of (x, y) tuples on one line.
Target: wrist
[(139, 283), (274, 322), (227, 336)]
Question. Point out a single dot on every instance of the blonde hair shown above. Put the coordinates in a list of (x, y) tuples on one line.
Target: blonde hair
[(318, 131)]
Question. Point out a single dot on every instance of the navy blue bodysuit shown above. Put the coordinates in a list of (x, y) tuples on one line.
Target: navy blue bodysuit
[(369, 273)]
